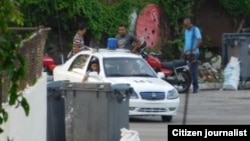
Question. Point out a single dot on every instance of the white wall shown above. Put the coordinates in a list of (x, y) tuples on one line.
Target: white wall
[(33, 127)]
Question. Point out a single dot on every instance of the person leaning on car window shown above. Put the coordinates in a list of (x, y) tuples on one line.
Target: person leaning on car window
[(78, 41), (94, 67), (126, 40)]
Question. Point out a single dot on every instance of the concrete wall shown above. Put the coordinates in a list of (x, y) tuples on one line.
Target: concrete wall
[(31, 128)]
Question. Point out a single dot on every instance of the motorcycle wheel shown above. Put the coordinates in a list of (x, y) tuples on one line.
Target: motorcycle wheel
[(183, 83)]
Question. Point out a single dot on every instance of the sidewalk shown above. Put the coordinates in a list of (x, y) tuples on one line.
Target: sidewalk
[(216, 86)]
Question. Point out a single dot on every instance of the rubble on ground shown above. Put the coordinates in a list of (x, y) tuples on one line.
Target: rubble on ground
[(211, 71)]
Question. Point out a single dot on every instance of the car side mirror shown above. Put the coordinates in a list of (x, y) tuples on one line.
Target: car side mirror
[(160, 74)]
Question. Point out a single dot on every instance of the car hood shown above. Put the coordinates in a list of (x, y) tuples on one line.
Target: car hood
[(140, 83)]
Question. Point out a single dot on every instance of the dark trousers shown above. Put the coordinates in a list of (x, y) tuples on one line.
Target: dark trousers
[(195, 74)]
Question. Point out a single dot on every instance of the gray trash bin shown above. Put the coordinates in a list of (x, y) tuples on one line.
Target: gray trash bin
[(55, 112), (237, 44), (96, 111)]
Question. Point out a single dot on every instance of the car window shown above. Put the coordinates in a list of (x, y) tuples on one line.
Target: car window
[(79, 62), (127, 67)]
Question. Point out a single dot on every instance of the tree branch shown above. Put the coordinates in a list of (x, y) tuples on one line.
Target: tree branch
[(241, 24)]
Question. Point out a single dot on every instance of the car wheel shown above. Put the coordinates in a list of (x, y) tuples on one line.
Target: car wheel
[(166, 118)]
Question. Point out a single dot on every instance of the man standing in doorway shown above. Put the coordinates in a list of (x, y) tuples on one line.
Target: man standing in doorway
[(126, 40), (193, 41)]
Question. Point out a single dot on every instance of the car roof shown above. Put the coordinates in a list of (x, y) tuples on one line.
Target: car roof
[(106, 53)]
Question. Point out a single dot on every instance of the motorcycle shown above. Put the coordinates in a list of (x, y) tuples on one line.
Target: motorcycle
[(48, 64), (176, 72)]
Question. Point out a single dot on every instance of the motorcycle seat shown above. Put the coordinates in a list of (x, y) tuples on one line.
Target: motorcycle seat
[(175, 63)]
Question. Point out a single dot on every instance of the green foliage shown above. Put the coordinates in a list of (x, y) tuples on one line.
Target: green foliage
[(236, 7), (9, 13), (12, 63), (174, 48), (103, 18), (176, 11)]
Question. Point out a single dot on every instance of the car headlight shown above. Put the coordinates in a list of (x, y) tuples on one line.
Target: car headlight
[(172, 94), (133, 95)]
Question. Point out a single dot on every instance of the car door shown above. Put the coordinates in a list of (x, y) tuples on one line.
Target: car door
[(78, 68)]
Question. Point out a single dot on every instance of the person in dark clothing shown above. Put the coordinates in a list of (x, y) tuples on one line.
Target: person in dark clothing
[(126, 40)]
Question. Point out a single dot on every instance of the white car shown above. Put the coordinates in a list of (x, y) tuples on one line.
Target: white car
[(152, 96)]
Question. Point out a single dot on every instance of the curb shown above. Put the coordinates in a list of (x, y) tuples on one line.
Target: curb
[(215, 86), (209, 86)]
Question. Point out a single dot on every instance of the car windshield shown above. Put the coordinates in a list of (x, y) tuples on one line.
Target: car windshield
[(127, 67)]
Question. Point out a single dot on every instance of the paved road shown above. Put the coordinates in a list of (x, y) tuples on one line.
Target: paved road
[(207, 107)]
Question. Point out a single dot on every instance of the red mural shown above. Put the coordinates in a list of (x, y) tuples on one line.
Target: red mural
[(148, 25)]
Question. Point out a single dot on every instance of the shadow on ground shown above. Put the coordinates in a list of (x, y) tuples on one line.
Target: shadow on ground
[(142, 119)]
